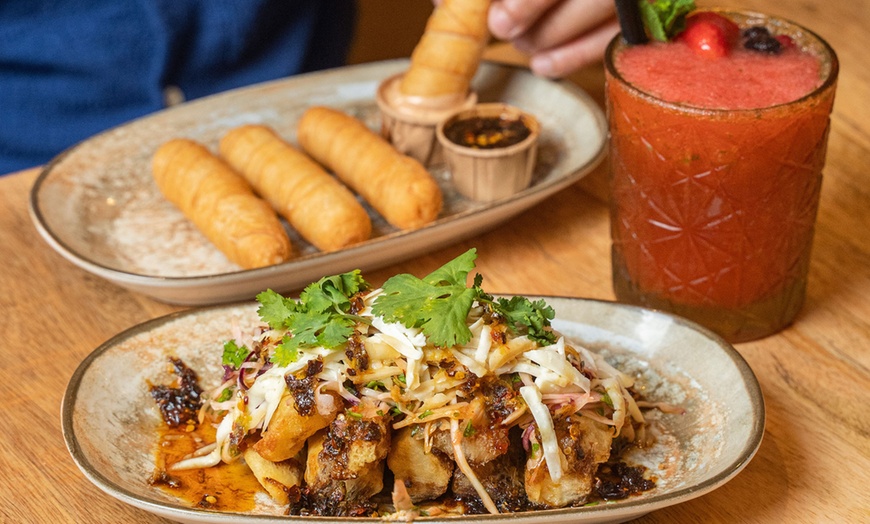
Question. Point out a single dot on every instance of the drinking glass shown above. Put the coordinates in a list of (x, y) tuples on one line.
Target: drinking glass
[(713, 210)]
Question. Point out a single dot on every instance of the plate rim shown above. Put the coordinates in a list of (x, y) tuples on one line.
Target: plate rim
[(622, 509)]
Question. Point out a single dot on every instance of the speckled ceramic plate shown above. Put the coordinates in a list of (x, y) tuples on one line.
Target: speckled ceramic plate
[(110, 422), (98, 206)]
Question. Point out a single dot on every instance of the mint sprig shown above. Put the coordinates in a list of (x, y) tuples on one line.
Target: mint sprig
[(665, 19)]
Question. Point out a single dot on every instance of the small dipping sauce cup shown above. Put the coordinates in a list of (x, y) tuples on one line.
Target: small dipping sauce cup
[(713, 209), (409, 122), (490, 150)]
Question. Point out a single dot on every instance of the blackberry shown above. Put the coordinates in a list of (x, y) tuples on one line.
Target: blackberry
[(756, 31), (763, 44)]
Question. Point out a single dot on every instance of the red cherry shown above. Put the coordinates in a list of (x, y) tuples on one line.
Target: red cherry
[(728, 26), (705, 38)]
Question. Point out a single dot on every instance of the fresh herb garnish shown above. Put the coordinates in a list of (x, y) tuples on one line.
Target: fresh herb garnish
[(440, 302), (225, 395), (321, 316), (523, 314), (234, 355), (376, 384), (286, 352), (664, 19)]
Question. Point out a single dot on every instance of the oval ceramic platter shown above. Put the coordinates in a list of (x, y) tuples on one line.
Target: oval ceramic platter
[(111, 424), (97, 205)]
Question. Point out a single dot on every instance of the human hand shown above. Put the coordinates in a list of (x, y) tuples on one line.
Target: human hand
[(560, 36)]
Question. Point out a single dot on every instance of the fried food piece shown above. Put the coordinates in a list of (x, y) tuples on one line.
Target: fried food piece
[(317, 205), (220, 203), (489, 440), (448, 54), (502, 478), (288, 430), (276, 477), (585, 445), (426, 475), (397, 186), (345, 466)]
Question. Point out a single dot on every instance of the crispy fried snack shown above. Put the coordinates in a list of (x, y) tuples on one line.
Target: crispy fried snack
[(397, 186), (288, 430), (426, 475), (317, 205), (220, 204), (446, 57), (590, 446), (276, 477)]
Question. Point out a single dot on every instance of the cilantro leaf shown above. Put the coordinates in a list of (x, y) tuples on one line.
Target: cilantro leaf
[(524, 315), (438, 303), (333, 292), (321, 316), (286, 352), (274, 308), (234, 355), (454, 272), (664, 19)]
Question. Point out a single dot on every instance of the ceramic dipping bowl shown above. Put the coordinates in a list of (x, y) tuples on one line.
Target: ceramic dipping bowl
[(490, 150), (409, 122)]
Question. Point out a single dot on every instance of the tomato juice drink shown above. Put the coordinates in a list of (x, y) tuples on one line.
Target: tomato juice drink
[(716, 169)]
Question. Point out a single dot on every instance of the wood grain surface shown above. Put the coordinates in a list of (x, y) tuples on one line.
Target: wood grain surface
[(814, 462)]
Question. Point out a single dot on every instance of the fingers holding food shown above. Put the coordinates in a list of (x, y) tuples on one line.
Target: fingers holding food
[(397, 186), (220, 203), (317, 205)]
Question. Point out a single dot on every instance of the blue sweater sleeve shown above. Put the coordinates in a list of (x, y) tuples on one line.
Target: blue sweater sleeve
[(72, 68)]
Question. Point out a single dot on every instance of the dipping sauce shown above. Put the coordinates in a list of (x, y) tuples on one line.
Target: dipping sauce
[(226, 487), (487, 132)]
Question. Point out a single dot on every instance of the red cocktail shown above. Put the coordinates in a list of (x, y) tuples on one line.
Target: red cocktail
[(715, 173)]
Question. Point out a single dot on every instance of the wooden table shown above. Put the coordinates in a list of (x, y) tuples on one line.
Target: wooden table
[(814, 462)]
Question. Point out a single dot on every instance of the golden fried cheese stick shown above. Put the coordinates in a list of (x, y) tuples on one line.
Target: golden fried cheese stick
[(220, 204), (397, 186), (447, 55), (317, 205)]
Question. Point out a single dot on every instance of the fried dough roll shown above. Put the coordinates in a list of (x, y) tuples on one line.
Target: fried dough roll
[(317, 205), (426, 475), (220, 203), (288, 430), (447, 55), (397, 186), (276, 477), (585, 445)]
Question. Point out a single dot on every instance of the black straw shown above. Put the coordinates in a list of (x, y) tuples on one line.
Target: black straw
[(631, 22)]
